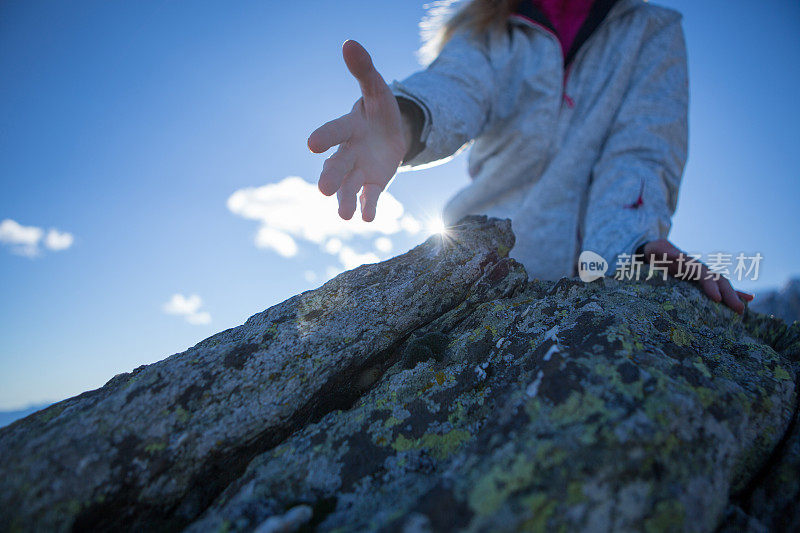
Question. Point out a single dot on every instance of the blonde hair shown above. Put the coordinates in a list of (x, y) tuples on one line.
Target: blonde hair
[(443, 19)]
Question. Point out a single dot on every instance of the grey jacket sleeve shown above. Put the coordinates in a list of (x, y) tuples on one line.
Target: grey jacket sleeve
[(635, 181), (454, 93)]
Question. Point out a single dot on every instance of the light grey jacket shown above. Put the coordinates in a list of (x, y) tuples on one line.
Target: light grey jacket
[(593, 164)]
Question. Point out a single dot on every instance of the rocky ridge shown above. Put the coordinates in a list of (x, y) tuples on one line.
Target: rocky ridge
[(439, 390), (783, 303)]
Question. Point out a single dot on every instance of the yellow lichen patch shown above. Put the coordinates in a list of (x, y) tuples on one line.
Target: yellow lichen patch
[(700, 365), (491, 490), (281, 450), (502, 250), (626, 337), (706, 396), (680, 337), (550, 455), (426, 387), (439, 446), (611, 375), (391, 422), (577, 407), (780, 373), (155, 447), (381, 403), (668, 516), (658, 411), (182, 414), (541, 508), (575, 492), (533, 408), (457, 414)]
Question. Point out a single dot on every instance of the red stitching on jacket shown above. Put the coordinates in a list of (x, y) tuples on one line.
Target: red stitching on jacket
[(639, 201)]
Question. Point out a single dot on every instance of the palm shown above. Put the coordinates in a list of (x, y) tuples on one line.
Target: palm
[(371, 140)]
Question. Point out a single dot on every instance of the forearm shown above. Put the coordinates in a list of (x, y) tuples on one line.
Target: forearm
[(449, 102)]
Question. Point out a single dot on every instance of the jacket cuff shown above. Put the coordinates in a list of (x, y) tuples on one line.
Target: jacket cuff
[(416, 118), (639, 252), (421, 117), (619, 249)]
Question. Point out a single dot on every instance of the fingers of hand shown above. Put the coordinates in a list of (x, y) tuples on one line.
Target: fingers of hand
[(716, 287), (360, 65), (369, 201), (711, 289), (729, 296), (745, 296), (659, 247), (330, 134), (347, 193), (335, 169), (663, 250)]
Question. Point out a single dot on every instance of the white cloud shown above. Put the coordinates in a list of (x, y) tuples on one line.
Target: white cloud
[(332, 271), (25, 240), (351, 259), (57, 240), (188, 307), (383, 244), (12, 232), (199, 319), (183, 305), (277, 240), (333, 246), (293, 210), (410, 224)]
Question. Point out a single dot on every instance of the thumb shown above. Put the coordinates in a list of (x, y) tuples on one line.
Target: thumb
[(360, 65)]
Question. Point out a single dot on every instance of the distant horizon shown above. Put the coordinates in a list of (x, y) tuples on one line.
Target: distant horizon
[(12, 415)]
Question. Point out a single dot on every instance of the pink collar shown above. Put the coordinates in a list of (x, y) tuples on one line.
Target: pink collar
[(566, 17)]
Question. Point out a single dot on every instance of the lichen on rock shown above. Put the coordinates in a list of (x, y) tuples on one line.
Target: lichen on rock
[(439, 390)]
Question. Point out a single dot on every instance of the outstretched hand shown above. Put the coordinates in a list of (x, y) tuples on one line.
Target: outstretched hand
[(372, 140), (717, 287)]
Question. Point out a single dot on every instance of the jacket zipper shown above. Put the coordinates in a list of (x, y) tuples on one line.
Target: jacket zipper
[(568, 99), (566, 68), (541, 27), (583, 205)]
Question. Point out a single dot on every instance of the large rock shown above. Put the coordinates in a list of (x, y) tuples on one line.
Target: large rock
[(438, 390)]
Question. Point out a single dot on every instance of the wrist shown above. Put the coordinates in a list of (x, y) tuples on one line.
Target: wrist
[(412, 120), (640, 250), (408, 134)]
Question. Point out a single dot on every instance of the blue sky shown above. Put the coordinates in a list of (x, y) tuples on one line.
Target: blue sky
[(130, 125)]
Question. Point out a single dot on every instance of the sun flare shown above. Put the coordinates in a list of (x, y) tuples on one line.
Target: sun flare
[(435, 225)]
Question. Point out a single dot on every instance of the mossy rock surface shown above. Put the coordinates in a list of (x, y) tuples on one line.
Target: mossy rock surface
[(440, 390)]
